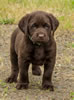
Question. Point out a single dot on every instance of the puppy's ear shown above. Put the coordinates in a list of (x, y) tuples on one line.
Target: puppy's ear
[(54, 22), (23, 23)]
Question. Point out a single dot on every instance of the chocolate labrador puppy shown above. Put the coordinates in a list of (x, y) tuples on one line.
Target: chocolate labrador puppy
[(33, 42)]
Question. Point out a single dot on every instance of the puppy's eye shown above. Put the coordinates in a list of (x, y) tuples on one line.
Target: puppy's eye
[(46, 25), (34, 25)]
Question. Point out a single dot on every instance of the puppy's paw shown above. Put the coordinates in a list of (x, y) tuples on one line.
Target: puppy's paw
[(11, 79), (20, 86), (46, 86), (36, 71)]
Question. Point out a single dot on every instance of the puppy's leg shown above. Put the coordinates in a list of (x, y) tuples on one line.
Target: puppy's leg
[(36, 70), (47, 77), (48, 67), (23, 78), (14, 67)]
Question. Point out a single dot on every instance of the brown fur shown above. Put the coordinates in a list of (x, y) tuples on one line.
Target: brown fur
[(33, 42)]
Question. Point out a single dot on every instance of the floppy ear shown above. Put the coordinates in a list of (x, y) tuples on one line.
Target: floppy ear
[(54, 23), (23, 23)]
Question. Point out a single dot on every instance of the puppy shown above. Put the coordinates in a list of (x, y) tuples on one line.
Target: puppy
[(33, 42)]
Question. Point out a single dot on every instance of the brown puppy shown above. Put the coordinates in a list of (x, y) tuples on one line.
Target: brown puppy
[(33, 42)]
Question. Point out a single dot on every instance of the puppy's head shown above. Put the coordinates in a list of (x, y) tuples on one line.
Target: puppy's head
[(39, 26)]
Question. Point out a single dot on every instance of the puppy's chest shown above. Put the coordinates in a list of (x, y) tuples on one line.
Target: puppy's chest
[(38, 55)]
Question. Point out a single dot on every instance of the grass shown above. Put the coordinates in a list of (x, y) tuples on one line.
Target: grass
[(7, 20), (72, 95), (68, 45), (12, 10)]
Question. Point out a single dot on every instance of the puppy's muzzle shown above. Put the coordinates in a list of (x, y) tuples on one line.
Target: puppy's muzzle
[(40, 37)]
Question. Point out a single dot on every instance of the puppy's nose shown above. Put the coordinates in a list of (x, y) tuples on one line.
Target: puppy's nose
[(41, 35)]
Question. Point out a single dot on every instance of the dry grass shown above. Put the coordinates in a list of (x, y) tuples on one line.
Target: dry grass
[(12, 10)]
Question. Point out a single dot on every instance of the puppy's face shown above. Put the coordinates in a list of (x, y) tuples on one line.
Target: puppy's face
[(39, 26)]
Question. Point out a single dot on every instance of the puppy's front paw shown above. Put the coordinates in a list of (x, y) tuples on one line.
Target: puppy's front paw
[(36, 71), (11, 79), (20, 86), (48, 86)]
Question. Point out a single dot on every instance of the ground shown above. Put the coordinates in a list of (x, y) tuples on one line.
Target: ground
[(63, 75)]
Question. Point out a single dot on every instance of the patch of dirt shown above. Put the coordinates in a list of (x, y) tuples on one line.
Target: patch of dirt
[(63, 76)]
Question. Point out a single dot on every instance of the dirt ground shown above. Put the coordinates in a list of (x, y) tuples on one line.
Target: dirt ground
[(63, 76)]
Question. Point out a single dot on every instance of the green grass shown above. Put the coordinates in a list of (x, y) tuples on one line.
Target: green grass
[(12, 10), (7, 20), (70, 45), (72, 95)]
